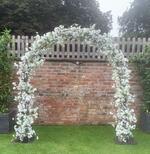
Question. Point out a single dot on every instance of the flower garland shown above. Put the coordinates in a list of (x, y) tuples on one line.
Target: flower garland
[(125, 117)]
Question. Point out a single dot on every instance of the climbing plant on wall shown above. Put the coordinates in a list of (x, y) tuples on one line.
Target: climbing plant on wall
[(125, 117)]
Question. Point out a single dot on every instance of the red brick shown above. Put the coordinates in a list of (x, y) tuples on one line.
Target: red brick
[(95, 81)]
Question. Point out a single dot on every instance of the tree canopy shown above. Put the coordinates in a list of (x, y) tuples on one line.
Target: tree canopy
[(26, 17), (135, 22)]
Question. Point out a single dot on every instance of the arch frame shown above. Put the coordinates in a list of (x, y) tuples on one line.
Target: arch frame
[(125, 119)]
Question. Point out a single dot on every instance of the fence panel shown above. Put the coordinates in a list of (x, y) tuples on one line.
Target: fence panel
[(75, 50)]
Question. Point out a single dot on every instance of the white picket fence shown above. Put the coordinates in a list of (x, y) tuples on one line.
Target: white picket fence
[(74, 50)]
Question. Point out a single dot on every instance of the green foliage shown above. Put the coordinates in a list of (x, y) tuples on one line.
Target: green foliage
[(5, 73), (142, 61), (135, 22), (26, 17)]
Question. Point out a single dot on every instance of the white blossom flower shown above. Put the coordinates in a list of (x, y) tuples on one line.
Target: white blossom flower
[(125, 116)]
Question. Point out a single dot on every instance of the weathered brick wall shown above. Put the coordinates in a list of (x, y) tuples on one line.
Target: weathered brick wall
[(78, 94)]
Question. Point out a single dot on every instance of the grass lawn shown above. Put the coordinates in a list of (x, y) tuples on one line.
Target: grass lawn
[(75, 140)]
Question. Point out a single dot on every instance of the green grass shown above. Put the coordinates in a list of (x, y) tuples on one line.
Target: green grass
[(75, 140)]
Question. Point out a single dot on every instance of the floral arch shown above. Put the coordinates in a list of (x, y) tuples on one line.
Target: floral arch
[(125, 117)]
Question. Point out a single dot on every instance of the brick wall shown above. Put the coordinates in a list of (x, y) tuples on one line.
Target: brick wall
[(78, 94)]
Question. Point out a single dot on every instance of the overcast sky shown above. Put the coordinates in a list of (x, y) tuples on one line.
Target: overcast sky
[(117, 7)]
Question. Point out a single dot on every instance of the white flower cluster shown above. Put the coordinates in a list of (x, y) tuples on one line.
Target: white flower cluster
[(26, 112), (125, 117)]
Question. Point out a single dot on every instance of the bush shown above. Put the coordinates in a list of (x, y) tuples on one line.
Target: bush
[(5, 73), (142, 61)]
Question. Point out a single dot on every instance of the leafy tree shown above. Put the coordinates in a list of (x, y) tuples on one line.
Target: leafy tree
[(30, 16), (135, 22)]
